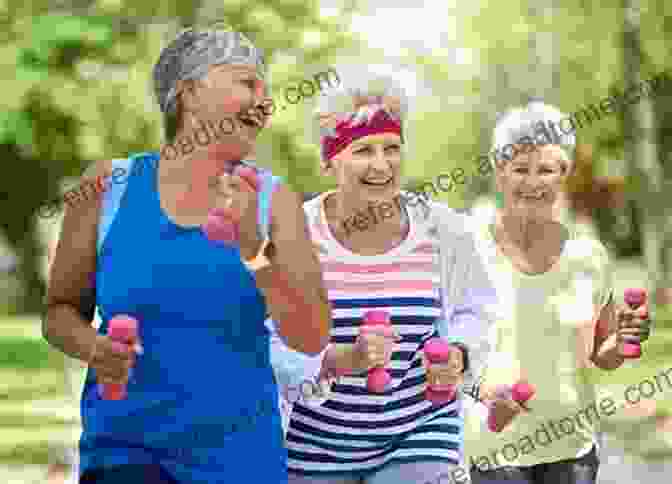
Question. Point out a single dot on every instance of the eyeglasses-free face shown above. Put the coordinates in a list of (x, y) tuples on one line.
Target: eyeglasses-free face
[(531, 183), (368, 170)]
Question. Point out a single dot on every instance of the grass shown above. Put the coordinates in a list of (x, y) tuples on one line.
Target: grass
[(22, 384), (27, 354), (37, 414)]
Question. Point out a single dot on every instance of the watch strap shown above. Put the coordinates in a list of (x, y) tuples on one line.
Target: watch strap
[(268, 185)]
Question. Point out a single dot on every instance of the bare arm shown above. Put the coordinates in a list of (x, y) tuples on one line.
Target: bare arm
[(293, 285), (71, 293), (606, 354), (71, 296)]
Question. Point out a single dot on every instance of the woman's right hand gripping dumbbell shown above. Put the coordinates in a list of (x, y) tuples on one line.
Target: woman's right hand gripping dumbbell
[(505, 402), (374, 347), (112, 360)]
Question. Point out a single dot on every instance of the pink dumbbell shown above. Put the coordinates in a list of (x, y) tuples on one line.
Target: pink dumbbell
[(520, 392), (221, 225), (440, 351), (378, 377), (633, 297), (123, 331)]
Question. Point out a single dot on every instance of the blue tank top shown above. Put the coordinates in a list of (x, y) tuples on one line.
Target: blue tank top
[(202, 400)]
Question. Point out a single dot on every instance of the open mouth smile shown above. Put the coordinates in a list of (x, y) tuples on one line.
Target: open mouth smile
[(377, 183)]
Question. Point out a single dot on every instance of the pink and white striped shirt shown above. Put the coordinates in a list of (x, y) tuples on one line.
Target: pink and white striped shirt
[(355, 430)]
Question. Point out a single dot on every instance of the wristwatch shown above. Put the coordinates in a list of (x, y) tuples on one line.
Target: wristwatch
[(261, 260)]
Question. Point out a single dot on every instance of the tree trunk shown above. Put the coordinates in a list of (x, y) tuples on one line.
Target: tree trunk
[(645, 172), (33, 290)]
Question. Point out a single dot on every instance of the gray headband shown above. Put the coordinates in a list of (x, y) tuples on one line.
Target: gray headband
[(191, 54)]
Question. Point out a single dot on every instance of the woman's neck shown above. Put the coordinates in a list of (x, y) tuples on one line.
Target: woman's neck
[(521, 231), (195, 166), (371, 229)]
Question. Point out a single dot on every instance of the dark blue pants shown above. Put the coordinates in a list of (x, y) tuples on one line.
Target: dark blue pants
[(128, 474), (574, 471)]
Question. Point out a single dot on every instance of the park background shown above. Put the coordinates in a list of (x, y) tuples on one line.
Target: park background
[(75, 88)]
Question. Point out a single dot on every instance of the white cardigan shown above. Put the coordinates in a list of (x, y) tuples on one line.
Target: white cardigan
[(469, 302)]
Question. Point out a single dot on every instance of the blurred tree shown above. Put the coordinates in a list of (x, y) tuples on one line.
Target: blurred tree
[(576, 50), (646, 174), (81, 91), (37, 135), (603, 199)]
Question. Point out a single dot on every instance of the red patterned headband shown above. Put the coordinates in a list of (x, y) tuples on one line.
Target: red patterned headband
[(348, 130)]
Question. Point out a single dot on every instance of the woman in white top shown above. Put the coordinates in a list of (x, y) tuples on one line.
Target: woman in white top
[(379, 251), (557, 322)]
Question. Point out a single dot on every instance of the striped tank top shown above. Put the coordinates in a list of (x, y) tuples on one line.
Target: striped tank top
[(355, 431)]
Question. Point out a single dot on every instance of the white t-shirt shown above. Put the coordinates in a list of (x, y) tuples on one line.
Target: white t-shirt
[(544, 333)]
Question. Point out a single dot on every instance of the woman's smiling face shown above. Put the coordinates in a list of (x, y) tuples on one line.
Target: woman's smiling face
[(369, 168), (227, 93), (531, 182)]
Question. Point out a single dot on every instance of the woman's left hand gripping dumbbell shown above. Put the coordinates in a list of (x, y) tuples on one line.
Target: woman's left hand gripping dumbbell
[(374, 347), (506, 402), (444, 376)]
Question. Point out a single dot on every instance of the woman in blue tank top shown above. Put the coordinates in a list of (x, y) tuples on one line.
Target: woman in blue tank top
[(201, 403)]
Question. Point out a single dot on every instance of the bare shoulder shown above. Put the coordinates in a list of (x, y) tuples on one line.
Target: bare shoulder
[(85, 196), (74, 261), (97, 168), (285, 201)]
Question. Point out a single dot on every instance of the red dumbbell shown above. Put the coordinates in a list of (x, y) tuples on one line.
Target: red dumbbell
[(633, 297), (440, 351), (378, 377), (123, 331), (520, 392), (221, 225)]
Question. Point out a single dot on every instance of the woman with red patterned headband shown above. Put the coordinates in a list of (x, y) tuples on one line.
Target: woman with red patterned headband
[(353, 432)]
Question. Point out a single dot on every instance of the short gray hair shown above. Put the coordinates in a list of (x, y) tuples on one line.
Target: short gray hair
[(523, 125), (191, 54), (341, 101)]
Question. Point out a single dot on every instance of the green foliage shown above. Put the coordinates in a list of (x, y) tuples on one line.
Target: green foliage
[(81, 89), (53, 36), (572, 55), (76, 87), (16, 128)]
